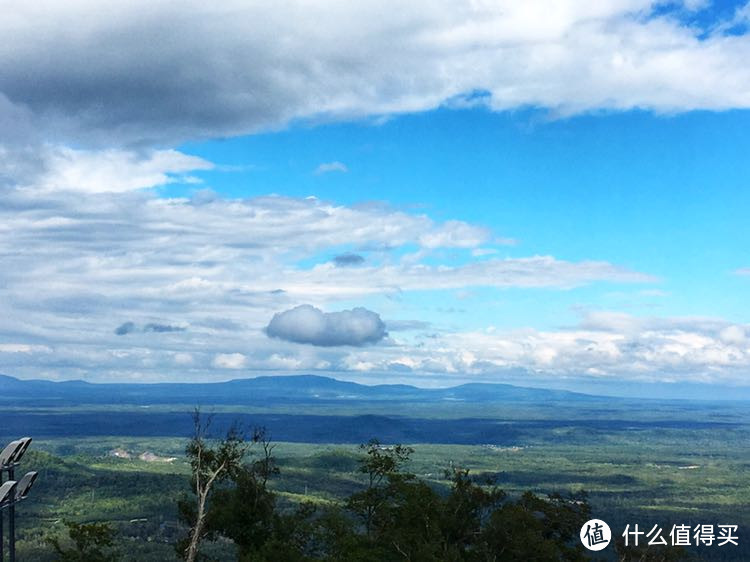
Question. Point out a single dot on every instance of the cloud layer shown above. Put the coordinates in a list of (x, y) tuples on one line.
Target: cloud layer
[(195, 282), (604, 345), (307, 324), (81, 136), (171, 71)]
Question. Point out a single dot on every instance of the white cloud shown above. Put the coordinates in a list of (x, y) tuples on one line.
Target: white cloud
[(327, 167), (530, 272), (236, 67), (625, 348), (109, 171), (479, 252), (733, 335), (455, 234), (23, 348), (307, 324), (695, 5), (183, 358), (189, 283), (230, 361), (73, 123)]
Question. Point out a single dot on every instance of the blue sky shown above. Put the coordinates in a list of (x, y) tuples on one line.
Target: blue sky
[(662, 194), (547, 193)]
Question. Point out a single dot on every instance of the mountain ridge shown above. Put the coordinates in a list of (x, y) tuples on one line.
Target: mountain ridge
[(280, 388)]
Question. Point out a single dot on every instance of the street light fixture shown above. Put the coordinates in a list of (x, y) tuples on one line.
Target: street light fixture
[(24, 485), (6, 456), (13, 453), (24, 444), (11, 492), (7, 494)]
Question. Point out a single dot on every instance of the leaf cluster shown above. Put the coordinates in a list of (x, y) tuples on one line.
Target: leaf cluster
[(91, 542), (396, 516)]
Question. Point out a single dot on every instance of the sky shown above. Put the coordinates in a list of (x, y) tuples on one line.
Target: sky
[(543, 193)]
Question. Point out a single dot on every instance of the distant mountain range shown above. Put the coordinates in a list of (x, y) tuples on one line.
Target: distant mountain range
[(316, 409), (266, 390)]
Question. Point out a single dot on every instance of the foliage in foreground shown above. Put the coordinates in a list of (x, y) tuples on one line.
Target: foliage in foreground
[(396, 516), (90, 542)]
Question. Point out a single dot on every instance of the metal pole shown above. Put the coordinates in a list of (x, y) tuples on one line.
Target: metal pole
[(12, 522), (2, 516), (2, 537)]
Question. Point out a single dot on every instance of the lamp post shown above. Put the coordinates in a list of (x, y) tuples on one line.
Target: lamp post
[(12, 491), (7, 491)]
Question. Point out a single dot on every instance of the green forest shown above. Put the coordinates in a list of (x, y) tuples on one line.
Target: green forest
[(292, 501), (437, 486)]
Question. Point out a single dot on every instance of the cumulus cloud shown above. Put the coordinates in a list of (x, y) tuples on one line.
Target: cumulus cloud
[(331, 167), (307, 324), (236, 67)]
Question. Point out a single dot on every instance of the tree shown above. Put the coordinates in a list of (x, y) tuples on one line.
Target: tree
[(209, 466), (92, 542), (244, 511), (467, 510), (396, 516), (405, 518), (532, 527), (381, 464)]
